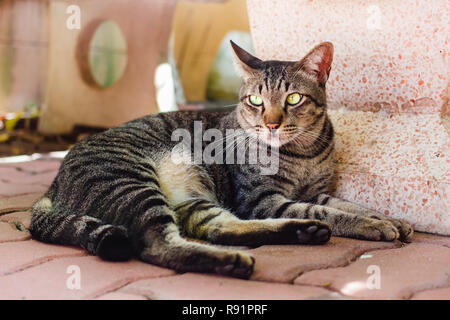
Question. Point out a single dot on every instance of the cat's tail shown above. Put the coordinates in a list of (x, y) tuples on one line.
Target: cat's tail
[(107, 241)]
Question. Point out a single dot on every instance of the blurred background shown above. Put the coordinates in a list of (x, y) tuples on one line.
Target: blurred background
[(71, 68)]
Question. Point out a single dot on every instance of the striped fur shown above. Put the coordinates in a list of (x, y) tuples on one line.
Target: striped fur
[(118, 194)]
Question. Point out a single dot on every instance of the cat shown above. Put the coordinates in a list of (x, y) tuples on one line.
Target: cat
[(119, 194)]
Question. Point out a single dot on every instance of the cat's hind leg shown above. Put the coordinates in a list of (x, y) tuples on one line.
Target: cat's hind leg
[(203, 219), (109, 242), (163, 245), (155, 226)]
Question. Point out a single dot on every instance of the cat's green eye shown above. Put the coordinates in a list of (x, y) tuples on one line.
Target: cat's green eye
[(255, 100), (293, 98)]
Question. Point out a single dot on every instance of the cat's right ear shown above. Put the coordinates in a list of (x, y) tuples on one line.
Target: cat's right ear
[(246, 64), (317, 63)]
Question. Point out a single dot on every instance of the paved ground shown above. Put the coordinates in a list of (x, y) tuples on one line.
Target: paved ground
[(341, 269)]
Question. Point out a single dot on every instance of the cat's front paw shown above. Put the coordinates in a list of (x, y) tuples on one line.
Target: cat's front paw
[(306, 231), (238, 265), (404, 228), (376, 230)]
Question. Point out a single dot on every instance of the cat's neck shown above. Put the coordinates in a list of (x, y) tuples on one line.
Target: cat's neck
[(319, 139)]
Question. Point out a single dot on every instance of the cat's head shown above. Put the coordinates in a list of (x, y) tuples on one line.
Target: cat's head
[(285, 99)]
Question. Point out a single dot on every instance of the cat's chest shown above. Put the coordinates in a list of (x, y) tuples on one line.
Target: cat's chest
[(307, 179), (297, 181)]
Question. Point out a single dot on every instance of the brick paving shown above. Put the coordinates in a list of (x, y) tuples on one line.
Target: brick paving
[(403, 272), (341, 269)]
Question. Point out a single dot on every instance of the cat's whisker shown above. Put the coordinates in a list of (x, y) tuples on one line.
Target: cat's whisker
[(226, 138), (232, 145), (230, 105), (310, 136)]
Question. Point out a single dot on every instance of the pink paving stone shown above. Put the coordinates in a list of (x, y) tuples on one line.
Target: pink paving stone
[(436, 294), (285, 263), (15, 256), (212, 287), (35, 166), (14, 189), (8, 172), (18, 203), (403, 271), (431, 239), (23, 218), (8, 233), (12, 175), (120, 296), (49, 280)]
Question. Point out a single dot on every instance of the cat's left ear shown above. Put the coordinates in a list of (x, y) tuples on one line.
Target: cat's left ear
[(246, 64), (317, 63)]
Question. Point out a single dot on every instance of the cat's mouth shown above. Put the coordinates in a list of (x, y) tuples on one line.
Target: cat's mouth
[(274, 138), (278, 138)]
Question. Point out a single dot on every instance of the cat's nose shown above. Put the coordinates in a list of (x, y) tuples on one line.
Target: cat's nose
[(273, 125)]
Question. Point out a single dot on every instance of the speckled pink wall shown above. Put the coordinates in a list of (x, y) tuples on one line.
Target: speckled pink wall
[(387, 95)]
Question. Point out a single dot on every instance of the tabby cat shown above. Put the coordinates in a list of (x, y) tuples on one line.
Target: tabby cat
[(119, 194)]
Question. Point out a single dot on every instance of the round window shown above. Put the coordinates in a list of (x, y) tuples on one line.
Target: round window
[(107, 55)]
